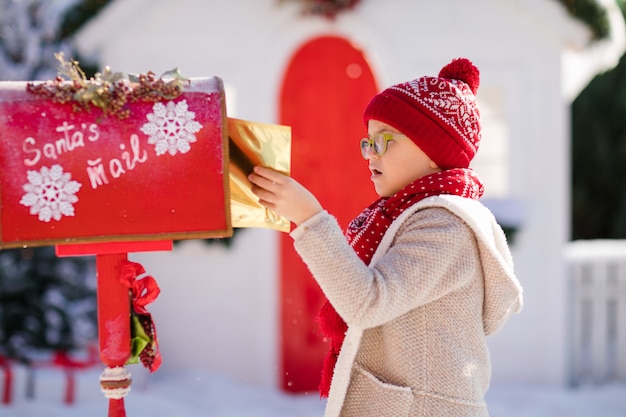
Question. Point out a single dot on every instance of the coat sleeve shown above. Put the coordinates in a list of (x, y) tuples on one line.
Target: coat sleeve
[(433, 253)]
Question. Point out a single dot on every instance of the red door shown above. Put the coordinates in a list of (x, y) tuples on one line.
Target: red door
[(325, 89)]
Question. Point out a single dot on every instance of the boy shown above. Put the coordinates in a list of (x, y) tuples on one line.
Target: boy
[(423, 274)]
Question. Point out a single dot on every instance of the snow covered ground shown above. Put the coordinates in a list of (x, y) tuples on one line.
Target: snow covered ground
[(201, 394)]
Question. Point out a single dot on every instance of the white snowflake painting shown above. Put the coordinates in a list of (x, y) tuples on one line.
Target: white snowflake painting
[(171, 127), (50, 193)]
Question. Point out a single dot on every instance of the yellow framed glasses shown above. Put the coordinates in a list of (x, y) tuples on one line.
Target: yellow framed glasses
[(378, 143)]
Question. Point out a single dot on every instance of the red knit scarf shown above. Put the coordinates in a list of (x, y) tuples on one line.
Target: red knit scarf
[(365, 232)]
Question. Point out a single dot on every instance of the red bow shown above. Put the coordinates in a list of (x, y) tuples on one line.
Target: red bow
[(144, 290), (8, 380)]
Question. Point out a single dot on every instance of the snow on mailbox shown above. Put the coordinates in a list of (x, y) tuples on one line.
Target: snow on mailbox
[(154, 170)]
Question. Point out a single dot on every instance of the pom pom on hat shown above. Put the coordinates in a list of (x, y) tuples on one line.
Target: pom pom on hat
[(462, 69), (439, 113)]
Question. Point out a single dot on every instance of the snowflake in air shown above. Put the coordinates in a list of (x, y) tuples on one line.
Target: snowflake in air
[(50, 193), (171, 127)]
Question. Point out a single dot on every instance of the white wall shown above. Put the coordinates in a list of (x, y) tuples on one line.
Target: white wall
[(223, 302), (217, 308)]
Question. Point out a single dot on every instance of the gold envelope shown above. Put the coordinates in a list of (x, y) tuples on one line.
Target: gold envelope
[(250, 144)]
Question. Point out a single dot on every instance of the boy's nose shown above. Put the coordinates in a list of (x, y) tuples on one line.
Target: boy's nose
[(370, 153)]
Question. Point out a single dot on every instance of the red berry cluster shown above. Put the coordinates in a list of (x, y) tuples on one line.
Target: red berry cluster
[(326, 8), (148, 354)]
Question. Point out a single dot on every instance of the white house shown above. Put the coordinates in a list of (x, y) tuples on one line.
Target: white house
[(220, 307)]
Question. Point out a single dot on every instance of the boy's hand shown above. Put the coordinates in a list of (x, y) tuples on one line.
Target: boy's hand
[(283, 195)]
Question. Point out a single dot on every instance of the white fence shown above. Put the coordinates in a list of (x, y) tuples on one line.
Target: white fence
[(597, 311)]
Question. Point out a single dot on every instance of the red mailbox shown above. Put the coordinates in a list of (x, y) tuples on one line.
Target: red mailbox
[(91, 183), (80, 176)]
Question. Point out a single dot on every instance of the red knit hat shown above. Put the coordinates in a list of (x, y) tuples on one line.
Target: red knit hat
[(439, 113)]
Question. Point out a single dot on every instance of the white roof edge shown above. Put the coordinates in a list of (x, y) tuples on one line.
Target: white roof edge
[(580, 64), (581, 60)]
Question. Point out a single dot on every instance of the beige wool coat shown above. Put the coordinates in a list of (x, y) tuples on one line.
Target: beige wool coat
[(440, 282)]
